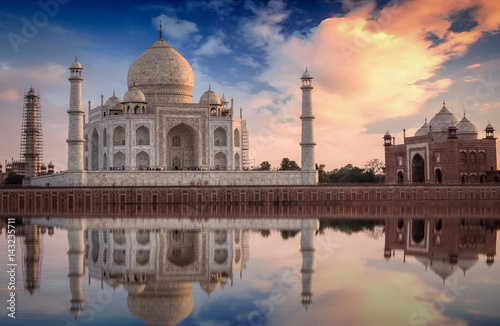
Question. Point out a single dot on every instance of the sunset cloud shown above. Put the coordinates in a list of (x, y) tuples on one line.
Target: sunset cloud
[(368, 67)]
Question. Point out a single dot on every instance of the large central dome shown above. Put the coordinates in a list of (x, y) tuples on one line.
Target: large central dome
[(161, 70)]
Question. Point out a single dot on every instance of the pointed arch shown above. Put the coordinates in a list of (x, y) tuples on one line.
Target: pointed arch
[(94, 145), (220, 137), (463, 157), (119, 136), (237, 162), (237, 137), (438, 176), (142, 160), (186, 154), (472, 157), (104, 137), (119, 161), (142, 135), (220, 161), (400, 177), (104, 161), (418, 168), (481, 157), (86, 144)]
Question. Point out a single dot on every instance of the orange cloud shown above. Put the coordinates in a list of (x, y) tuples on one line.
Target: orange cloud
[(367, 70), (9, 94)]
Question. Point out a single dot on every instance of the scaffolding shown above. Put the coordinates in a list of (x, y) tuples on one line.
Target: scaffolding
[(31, 135), (245, 147)]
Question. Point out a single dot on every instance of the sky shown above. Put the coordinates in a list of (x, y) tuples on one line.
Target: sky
[(377, 65)]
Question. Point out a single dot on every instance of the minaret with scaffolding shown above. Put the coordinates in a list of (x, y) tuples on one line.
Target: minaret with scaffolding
[(31, 137), (32, 253)]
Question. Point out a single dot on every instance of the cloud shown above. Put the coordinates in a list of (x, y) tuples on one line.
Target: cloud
[(247, 61), (264, 28), (214, 46), (473, 66), (368, 66), (174, 28)]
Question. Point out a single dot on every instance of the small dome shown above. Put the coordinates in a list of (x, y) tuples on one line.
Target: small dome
[(466, 127), (306, 75), (387, 135), (51, 165), (489, 127), (76, 65), (209, 287), (134, 287), (31, 92), (214, 98), (114, 103), (424, 130), (114, 282), (443, 268), (43, 167), (442, 120), (466, 262), (134, 95), (224, 100)]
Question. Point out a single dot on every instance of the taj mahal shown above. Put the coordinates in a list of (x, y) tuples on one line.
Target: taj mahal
[(157, 135)]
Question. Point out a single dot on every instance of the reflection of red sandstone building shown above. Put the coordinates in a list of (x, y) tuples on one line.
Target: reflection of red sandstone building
[(442, 151), (442, 245)]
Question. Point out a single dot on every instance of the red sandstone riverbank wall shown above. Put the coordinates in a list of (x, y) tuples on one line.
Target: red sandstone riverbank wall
[(303, 200)]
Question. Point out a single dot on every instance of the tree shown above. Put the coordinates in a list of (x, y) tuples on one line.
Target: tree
[(322, 174), (350, 174), (288, 165), (14, 179), (265, 233), (375, 166), (266, 166), (285, 234)]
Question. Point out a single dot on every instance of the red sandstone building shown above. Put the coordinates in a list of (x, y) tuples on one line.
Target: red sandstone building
[(445, 150)]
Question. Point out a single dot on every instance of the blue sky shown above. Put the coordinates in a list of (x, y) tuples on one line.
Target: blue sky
[(377, 65)]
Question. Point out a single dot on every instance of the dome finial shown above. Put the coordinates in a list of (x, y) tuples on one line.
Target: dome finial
[(444, 105), (161, 32), (76, 58), (209, 87), (464, 113), (425, 119), (113, 92)]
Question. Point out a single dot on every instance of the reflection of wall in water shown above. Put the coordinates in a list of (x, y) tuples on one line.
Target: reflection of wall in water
[(442, 245)]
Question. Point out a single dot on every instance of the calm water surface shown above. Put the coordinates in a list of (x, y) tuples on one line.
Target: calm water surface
[(253, 272)]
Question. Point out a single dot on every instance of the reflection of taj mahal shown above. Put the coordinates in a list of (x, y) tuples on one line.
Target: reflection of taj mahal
[(442, 245), (157, 267), (158, 260)]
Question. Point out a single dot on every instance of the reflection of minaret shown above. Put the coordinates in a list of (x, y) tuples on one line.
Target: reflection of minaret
[(307, 249), (75, 261), (31, 258)]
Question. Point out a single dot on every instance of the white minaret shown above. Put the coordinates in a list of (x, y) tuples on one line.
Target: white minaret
[(75, 262), (307, 250), (307, 143), (75, 133)]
